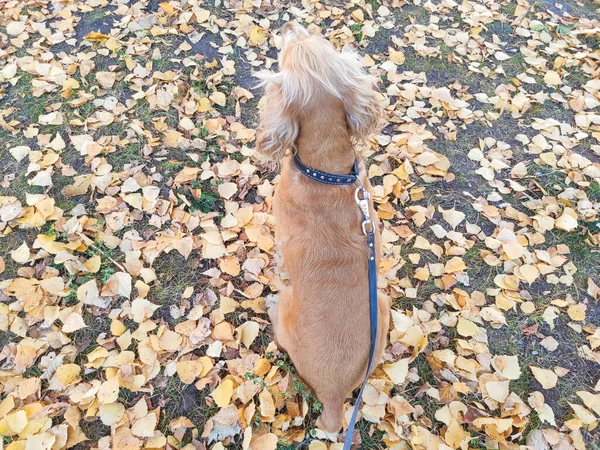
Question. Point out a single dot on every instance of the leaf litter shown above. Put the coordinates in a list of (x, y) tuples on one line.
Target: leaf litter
[(137, 241)]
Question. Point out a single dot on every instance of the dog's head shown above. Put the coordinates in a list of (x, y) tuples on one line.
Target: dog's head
[(309, 69)]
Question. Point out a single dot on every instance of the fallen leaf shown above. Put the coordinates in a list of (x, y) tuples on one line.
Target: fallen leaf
[(222, 394), (545, 377), (397, 371)]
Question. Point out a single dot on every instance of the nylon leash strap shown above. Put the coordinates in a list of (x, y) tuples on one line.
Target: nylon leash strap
[(368, 227)]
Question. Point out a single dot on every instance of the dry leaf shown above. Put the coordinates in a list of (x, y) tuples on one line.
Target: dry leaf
[(545, 377)]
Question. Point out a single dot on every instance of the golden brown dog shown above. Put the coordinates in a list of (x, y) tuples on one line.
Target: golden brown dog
[(317, 105)]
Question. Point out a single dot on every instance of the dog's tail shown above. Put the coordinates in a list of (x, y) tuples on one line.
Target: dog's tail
[(333, 412)]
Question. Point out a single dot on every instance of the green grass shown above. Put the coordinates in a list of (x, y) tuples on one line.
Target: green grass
[(208, 201)]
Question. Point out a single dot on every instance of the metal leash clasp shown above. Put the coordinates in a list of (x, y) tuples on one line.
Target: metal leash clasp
[(363, 198)]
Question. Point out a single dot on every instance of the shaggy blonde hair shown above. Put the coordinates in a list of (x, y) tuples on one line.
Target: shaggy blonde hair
[(310, 68)]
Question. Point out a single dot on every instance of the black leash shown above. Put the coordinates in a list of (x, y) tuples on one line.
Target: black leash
[(362, 198)]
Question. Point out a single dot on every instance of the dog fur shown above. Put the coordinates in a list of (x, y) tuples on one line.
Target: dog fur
[(318, 104)]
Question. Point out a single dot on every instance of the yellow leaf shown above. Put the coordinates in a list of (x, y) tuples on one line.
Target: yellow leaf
[(248, 332), (117, 327), (170, 340), (70, 83), (230, 266), (567, 221), (202, 15), (528, 307), (112, 44), (592, 401), (466, 327), (20, 152), (186, 175), (455, 265), (227, 190), (188, 371), (397, 371), (397, 57), (67, 374), (358, 14), (455, 435), (549, 343), (204, 105), (111, 413), (222, 394), (21, 254), (106, 79), (583, 414), (88, 292), (546, 414), (119, 283), (145, 426), (73, 322), (529, 272), (317, 445), (14, 28), (258, 36), (267, 405), (545, 377), (505, 281), (93, 264), (422, 273), (552, 78), (17, 421), (498, 390), (173, 138), (453, 217), (94, 36), (267, 441), (185, 46), (513, 249), (109, 391), (187, 124), (576, 312), (219, 98), (166, 7), (223, 331)]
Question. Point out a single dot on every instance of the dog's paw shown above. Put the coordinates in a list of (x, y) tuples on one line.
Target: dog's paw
[(321, 433)]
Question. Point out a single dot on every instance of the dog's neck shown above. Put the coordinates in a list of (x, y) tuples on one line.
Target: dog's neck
[(324, 141)]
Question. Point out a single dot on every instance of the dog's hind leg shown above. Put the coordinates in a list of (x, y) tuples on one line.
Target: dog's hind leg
[(278, 314), (333, 411)]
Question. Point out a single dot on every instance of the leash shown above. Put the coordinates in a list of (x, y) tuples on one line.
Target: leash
[(362, 198)]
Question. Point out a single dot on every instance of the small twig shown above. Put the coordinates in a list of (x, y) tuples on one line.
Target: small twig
[(109, 258)]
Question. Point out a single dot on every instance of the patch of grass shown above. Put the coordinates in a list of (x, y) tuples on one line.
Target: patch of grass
[(185, 400), (142, 112), (371, 438), (170, 165), (303, 390), (29, 107), (585, 257), (209, 200), (514, 65), (593, 191), (128, 154)]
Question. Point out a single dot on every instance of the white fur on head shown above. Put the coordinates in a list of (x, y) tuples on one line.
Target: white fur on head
[(309, 69)]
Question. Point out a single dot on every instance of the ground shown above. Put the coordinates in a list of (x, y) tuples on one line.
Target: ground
[(136, 241)]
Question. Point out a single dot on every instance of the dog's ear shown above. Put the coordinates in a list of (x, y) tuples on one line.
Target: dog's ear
[(363, 112), (278, 125)]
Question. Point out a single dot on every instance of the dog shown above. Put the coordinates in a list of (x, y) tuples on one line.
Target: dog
[(318, 105)]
